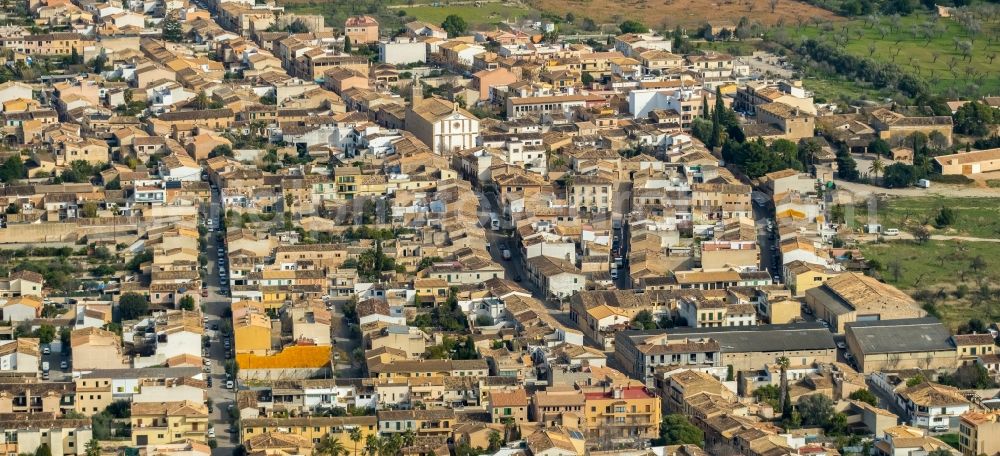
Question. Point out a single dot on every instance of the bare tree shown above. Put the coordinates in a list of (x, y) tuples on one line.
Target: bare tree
[(774, 5), (871, 49), (991, 56), (935, 55)]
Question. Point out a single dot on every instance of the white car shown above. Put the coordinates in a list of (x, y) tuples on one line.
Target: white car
[(230, 384), (211, 432)]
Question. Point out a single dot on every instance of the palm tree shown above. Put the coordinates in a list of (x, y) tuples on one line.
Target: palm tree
[(783, 364), (495, 440), (392, 445), (877, 166), (93, 448), (373, 444), (408, 438), (355, 434), (329, 446)]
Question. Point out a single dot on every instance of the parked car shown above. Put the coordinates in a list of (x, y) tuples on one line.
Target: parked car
[(64, 365), (841, 345), (230, 384)]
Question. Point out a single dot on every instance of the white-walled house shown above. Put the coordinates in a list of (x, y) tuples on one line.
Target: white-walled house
[(556, 278), (442, 125), (21, 355), (21, 308), (929, 405)]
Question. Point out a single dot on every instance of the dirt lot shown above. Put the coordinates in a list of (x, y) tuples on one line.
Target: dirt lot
[(670, 13)]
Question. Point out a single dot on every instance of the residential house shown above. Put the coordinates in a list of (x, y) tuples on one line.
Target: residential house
[(156, 423)]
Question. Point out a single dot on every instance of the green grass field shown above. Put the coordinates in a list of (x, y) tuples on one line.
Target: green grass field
[(943, 266), (475, 16), (934, 56), (974, 217)]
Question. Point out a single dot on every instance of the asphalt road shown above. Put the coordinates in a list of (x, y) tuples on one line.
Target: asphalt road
[(215, 305), (770, 259)]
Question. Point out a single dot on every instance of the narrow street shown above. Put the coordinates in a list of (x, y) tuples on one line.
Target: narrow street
[(215, 305), (770, 256)]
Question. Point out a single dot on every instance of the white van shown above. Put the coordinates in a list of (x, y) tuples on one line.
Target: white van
[(892, 232)]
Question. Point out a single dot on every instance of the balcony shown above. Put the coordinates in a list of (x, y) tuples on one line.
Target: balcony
[(637, 421)]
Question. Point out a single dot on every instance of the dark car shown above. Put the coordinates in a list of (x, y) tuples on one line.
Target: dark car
[(215, 326), (517, 277)]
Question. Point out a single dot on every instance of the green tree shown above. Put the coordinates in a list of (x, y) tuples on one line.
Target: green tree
[(355, 434), (633, 26), (99, 63), (864, 395), (200, 100), (132, 306), (13, 209), (877, 166), (347, 44), (46, 334), (171, 30), (676, 429), (221, 150), (93, 448), (880, 148), (899, 175), (329, 446), (944, 218), (975, 118), (643, 320), (454, 25), (232, 367), (373, 445), (495, 441), (13, 169), (816, 410), (187, 303), (89, 210), (43, 450), (783, 363), (297, 26)]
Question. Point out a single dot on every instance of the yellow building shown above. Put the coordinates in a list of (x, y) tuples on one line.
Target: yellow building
[(783, 311), (431, 289), (314, 428), (155, 423), (347, 179), (978, 433), (969, 347), (509, 405), (93, 395), (801, 276), (251, 328), (622, 413)]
